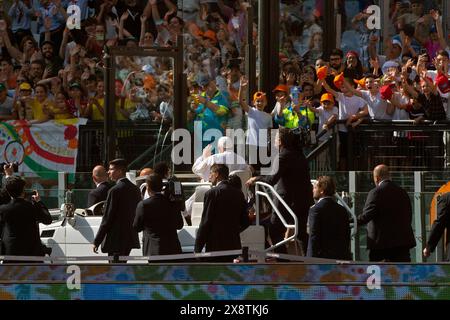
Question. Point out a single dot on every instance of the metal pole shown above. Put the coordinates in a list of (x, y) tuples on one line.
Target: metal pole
[(109, 134), (268, 35), (250, 56), (62, 186), (329, 36), (419, 215), (180, 88), (352, 189)]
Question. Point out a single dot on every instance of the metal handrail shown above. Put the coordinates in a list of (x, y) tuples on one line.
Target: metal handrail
[(355, 220), (286, 225)]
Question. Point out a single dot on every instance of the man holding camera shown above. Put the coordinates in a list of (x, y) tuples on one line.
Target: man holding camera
[(19, 221), (159, 220)]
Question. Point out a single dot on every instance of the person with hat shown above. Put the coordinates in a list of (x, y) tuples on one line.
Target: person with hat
[(259, 121), (353, 68), (352, 109), (327, 112), (286, 113), (6, 104), (211, 106), (20, 105)]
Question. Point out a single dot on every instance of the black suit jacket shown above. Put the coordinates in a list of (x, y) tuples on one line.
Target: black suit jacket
[(329, 231), (388, 215), (116, 232), (98, 194), (19, 220), (159, 220), (292, 182), (440, 224), (224, 218)]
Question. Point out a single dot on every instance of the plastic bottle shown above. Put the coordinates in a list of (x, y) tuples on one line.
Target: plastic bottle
[(295, 93)]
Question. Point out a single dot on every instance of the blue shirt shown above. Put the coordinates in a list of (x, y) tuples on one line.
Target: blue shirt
[(211, 119), (57, 20), (21, 16)]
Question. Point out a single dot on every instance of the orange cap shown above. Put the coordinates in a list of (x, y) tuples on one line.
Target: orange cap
[(259, 95), (327, 97), (360, 82), (210, 35), (339, 80), (322, 72), (281, 87)]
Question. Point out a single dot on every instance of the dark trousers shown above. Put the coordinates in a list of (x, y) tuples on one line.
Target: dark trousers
[(399, 254), (116, 256)]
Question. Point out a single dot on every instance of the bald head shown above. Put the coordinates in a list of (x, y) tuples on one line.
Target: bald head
[(380, 173), (99, 174), (146, 172)]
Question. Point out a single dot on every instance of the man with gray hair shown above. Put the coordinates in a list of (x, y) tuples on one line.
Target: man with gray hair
[(203, 164), (388, 215), (226, 156)]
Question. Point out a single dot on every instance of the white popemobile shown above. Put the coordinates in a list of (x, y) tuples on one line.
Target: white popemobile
[(73, 232)]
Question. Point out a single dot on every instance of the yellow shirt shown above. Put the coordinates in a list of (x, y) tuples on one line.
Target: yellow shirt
[(96, 114), (38, 109), (128, 106)]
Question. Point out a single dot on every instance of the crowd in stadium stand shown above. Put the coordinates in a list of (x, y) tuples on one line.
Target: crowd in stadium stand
[(57, 72)]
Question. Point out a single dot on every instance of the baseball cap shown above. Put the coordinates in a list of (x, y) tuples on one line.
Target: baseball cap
[(259, 95), (397, 42), (339, 80), (327, 97), (25, 86), (443, 83), (386, 92), (389, 64), (282, 88), (74, 85)]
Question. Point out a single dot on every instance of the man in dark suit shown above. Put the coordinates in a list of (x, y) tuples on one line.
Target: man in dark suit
[(224, 216), (116, 233), (329, 224), (441, 223), (100, 178), (19, 221), (159, 220), (293, 184), (388, 215)]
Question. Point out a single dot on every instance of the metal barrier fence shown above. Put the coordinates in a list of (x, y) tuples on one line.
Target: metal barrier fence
[(401, 145)]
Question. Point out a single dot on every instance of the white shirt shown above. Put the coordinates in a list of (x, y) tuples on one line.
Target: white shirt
[(257, 120), (348, 106), (377, 106), (444, 96), (233, 161), (324, 115)]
